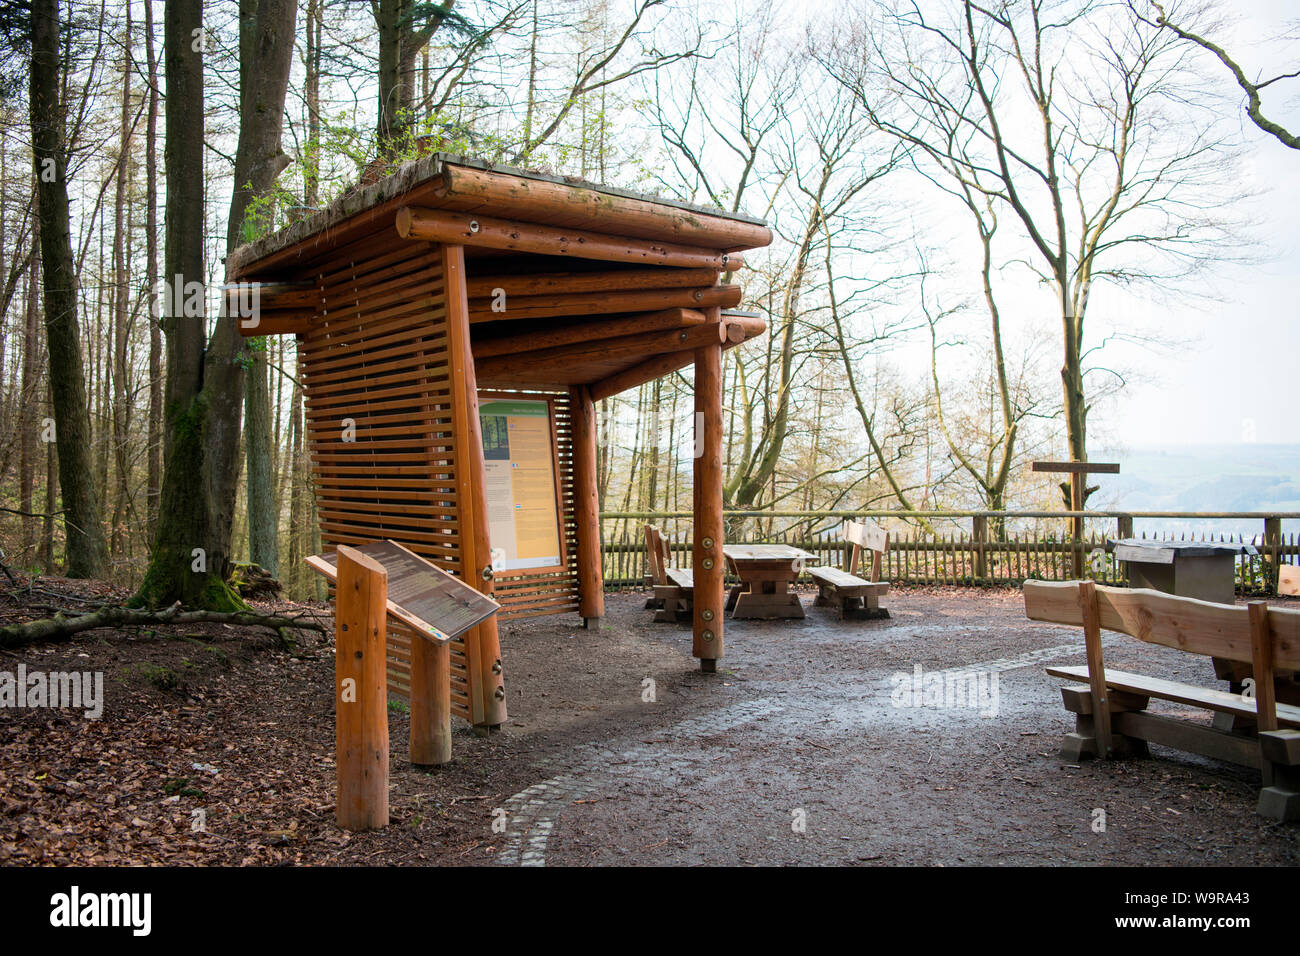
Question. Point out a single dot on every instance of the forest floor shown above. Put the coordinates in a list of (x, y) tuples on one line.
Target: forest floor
[(798, 731)]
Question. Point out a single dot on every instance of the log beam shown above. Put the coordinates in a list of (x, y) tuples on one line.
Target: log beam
[(586, 331), (440, 225), (605, 303), (558, 283), (544, 201), (656, 367), (601, 350)]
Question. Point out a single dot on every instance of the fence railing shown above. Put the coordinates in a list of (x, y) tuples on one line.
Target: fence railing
[(959, 547)]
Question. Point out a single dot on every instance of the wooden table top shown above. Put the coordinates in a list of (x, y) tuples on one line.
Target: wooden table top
[(1151, 551), (764, 552)]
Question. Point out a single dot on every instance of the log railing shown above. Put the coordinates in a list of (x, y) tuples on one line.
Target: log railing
[(962, 547)]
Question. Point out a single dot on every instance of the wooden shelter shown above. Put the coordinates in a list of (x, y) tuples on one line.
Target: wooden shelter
[(452, 283)]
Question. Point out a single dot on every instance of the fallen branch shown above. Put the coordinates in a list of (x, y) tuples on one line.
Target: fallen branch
[(60, 628)]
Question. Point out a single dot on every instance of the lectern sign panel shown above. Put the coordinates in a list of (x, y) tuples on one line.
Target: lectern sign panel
[(420, 594)]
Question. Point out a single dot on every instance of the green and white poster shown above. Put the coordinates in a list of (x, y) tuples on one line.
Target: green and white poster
[(519, 455)]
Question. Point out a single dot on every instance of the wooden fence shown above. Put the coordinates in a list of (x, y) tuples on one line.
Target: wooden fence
[(921, 553)]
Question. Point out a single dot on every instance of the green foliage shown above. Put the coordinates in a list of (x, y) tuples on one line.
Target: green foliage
[(160, 676), (180, 786), (262, 213)]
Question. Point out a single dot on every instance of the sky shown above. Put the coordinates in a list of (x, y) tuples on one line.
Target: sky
[(1223, 370), (1234, 380)]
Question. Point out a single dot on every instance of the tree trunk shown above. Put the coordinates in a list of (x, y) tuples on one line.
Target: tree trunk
[(387, 16), (266, 52), (87, 552), (154, 466), (205, 388), (311, 161), (263, 526), (51, 499), (27, 423), (121, 399)]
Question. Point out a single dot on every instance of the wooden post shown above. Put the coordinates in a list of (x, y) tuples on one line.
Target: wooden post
[(1077, 482), (1261, 644), (1078, 472), (361, 691), (1096, 665), (707, 557), (430, 701), (1124, 526), (482, 644), (1272, 550), (591, 579), (980, 536)]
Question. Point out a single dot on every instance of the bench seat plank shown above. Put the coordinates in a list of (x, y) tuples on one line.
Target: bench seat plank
[(843, 581), (682, 577), (1216, 700)]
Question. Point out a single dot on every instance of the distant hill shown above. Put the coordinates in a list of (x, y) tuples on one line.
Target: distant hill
[(1237, 477)]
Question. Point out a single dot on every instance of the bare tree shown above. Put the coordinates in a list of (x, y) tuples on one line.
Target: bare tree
[(86, 546), (1252, 89), (191, 552), (1084, 151)]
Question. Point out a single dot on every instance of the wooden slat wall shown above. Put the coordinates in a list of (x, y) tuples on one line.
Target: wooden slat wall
[(555, 590), (379, 357)]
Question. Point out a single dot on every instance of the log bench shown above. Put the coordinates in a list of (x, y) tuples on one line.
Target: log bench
[(1110, 707), (674, 588), (855, 597)]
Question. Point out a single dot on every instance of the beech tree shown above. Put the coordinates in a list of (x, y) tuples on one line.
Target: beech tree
[(87, 549), (205, 386)]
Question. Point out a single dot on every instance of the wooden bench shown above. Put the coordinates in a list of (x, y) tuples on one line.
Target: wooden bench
[(1110, 709), (674, 588), (854, 596)]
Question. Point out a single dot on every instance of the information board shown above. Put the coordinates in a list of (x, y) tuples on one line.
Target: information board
[(420, 594), (523, 510)]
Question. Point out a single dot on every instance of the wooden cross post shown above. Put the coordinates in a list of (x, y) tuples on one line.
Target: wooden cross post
[(1078, 472)]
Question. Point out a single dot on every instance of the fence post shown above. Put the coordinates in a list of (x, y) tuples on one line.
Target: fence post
[(979, 525), (1124, 526), (361, 690), (1272, 543)]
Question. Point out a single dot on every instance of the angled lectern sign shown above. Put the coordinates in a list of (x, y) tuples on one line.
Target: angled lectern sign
[(421, 595)]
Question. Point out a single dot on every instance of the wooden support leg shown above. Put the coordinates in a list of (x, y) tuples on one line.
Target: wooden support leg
[(1233, 723), (430, 702), (361, 691), (482, 643), (1082, 741), (1279, 799), (1096, 666), (707, 644), (591, 583), (669, 599)]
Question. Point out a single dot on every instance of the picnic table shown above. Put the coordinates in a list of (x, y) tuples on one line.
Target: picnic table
[(1195, 569), (766, 572)]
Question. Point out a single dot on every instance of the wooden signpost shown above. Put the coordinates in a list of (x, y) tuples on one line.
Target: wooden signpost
[(1078, 472), (373, 582)]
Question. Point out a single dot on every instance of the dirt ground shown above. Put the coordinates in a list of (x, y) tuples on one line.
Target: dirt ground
[(217, 747)]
